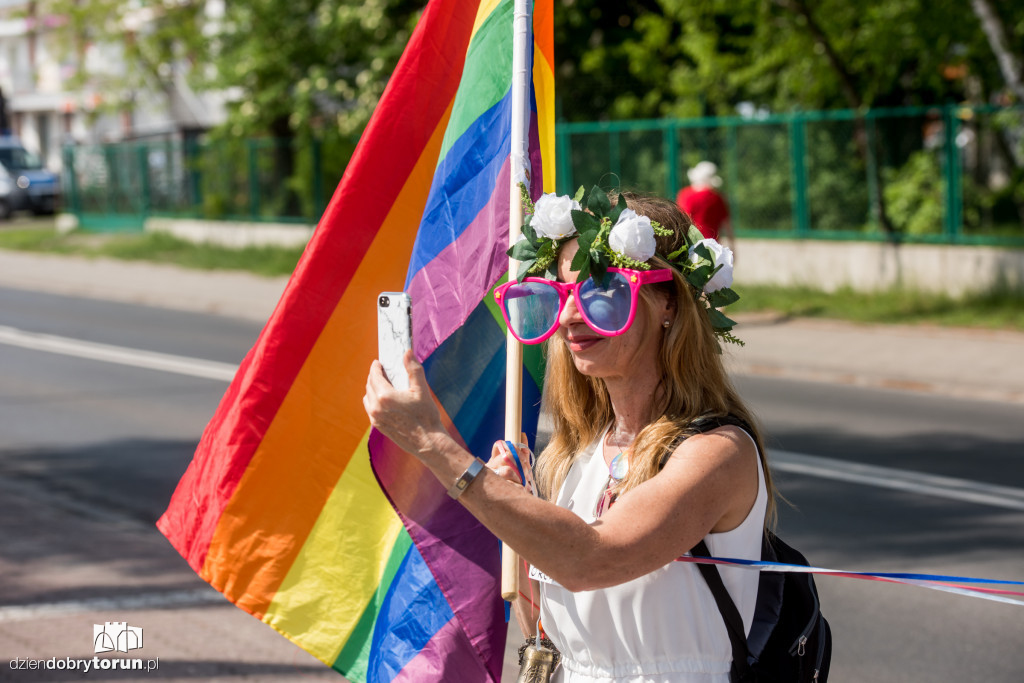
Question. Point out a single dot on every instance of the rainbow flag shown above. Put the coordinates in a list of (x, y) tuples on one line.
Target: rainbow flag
[(280, 509)]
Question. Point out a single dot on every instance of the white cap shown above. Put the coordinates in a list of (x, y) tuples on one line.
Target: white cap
[(703, 174)]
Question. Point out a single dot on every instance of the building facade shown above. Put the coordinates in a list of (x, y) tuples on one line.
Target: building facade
[(59, 91)]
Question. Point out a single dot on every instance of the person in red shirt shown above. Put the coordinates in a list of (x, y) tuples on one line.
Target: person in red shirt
[(707, 207)]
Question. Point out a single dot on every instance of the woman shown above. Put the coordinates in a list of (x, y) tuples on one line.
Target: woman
[(630, 486)]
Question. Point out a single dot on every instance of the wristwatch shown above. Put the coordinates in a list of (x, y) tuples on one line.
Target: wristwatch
[(463, 482)]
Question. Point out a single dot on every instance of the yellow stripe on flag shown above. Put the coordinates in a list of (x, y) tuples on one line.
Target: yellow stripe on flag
[(544, 87), (484, 10), (341, 565)]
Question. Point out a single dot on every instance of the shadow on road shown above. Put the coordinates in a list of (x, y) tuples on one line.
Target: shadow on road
[(130, 478)]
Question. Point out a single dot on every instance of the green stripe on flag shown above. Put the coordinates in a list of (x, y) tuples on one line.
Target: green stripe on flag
[(354, 657), (487, 75)]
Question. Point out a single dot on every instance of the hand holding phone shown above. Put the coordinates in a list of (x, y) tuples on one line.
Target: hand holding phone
[(394, 335)]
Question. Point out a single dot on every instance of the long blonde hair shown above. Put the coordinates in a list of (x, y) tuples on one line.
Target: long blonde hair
[(694, 382)]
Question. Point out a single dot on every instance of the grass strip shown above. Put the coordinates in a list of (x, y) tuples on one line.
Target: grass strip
[(997, 310), (155, 246)]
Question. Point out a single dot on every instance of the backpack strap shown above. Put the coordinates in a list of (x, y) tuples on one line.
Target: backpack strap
[(733, 621), (741, 670), (702, 424)]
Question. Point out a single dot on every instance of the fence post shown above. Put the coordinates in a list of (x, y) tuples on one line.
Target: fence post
[(732, 165), (563, 177), (952, 185), (112, 179), (614, 154), (142, 157), (194, 174), (671, 142), (74, 201), (254, 184), (170, 189), (798, 170), (871, 167), (318, 181)]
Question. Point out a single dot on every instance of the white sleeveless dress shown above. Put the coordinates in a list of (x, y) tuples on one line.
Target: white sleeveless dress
[(663, 627)]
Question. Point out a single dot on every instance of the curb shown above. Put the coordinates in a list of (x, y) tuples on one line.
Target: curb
[(946, 389)]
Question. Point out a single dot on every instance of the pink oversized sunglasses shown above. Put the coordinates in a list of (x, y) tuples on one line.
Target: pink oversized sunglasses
[(533, 305)]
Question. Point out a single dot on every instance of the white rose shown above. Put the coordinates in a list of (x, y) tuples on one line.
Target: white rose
[(552, 216), (632, 236), (721, 255)]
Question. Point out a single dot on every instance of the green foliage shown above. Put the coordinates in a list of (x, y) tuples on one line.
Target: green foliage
[(594, 70), (837, 187), (694, 57), (157, 41), (761, 198), (914, 194), (309, 64), (318, 85), (311, 71)]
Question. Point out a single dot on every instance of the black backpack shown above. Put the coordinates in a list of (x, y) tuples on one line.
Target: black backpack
[(790, 641)]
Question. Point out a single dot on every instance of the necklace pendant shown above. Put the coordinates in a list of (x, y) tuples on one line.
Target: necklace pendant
[(619, 466)]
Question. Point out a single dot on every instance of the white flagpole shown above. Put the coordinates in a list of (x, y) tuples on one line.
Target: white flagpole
[(521, 78)]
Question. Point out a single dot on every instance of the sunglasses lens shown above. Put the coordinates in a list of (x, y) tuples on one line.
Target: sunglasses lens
[(606, 306), (532, 309)]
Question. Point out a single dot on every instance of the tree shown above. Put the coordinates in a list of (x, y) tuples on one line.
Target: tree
[(996, 33), (709, 57), (594, 46), (293, 72), (307, 70), (123, 48), (286, 65), (308, 64)]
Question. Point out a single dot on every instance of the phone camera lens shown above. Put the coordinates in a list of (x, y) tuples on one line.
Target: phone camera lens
[(385, 302)]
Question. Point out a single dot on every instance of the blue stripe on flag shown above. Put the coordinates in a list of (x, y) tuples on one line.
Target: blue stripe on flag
[(463, 184), (412, 612)]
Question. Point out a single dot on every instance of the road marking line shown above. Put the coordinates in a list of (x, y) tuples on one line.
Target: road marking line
[(899, 480), (199, 596), (152, 360)]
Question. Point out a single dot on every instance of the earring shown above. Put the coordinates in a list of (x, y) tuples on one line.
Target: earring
[(666, 324)]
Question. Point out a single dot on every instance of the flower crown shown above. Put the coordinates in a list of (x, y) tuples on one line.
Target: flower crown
[(616, 236)]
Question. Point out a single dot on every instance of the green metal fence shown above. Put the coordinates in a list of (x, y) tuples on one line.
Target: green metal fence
[(947, 174), (117, 186)]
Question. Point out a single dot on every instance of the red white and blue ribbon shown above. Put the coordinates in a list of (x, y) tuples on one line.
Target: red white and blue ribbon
[(939, 582)]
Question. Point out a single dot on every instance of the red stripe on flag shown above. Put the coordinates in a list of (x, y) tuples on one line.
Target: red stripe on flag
[(413, 104)]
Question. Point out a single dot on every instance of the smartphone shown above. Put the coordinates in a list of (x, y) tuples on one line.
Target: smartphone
[(394, 335)]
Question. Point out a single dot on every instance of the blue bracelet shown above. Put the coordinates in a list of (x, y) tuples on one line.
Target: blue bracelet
[(519, 464)]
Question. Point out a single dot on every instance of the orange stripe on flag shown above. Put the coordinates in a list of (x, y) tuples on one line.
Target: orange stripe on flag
[(314, 434)]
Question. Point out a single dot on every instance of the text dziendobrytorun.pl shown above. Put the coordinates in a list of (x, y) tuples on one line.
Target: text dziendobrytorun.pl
[(85, 665)]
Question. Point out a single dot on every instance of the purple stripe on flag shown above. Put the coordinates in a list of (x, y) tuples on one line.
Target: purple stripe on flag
[(441, 661), (445, 291), (461, 553)]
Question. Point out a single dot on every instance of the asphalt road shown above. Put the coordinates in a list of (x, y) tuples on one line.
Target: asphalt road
[(889, 632), (90, 451)]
